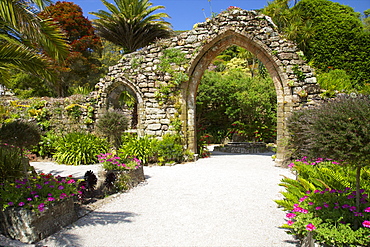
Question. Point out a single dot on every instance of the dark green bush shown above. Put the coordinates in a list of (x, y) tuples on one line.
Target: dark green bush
[(10, 163), (79, 148), (46, 146), (112, 124), (20, 134), (339, 129)]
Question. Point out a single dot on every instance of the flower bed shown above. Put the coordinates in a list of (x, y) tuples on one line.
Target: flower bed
[(37, 207), (29, 226), (321, 204)]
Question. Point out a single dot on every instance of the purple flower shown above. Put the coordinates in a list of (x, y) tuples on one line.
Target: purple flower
[(41, 207), (326, 205), (60, 187), (21, 204), (358, 214), (10, 203), (353, 208), (38, 186), (345, 206), (49, 194), (29, 199), (310, 203), (318, 208), (36, 196), (50, 199), (18, 186)]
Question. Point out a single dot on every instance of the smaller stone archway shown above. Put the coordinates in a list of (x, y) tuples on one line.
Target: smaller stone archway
[(294, 80), (110, 99)]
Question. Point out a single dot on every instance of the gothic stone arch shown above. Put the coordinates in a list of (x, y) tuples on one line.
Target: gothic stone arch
[(294, 80)]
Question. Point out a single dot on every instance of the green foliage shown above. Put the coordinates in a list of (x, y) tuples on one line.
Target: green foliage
[(79, 148), (36, 193), (11, 163), (113, 124), (331, 35), (234, 102), (324, 204), (142, 148), (46, 146), (20, 134), (339, 129), (335, 80), (170, 149), (131, 24)]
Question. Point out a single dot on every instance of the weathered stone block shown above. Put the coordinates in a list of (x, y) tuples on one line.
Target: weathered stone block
[(29, 227)]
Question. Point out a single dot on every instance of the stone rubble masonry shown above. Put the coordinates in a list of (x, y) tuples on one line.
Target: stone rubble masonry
[(139, 71)]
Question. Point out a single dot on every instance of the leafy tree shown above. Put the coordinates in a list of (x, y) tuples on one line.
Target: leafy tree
[(367, 20), (330, 34), (132, 24), (20, 30), (82, 64)]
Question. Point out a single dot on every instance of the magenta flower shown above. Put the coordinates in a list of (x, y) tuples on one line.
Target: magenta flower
[(60, 187), (326, 205), (10, 203), (310, 227), (29, 199), (71, 181), (291, 165), (366, 223), (289, 222), (290, 215), (303, 198), (50, 199), (367, 209), (41, 207), (318, 208), (21, 204)]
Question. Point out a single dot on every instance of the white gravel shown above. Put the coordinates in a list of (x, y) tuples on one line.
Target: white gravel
[(225, 200)]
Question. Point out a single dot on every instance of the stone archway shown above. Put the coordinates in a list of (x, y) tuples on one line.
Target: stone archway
[(294, 80)]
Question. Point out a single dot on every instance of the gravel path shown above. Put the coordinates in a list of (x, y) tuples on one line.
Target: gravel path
[(225, 200)]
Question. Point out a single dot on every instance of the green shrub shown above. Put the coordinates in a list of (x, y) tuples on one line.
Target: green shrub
[(170, 149), (10, 163), (79, 148), (113, 124), (142, 148), (46, 146)]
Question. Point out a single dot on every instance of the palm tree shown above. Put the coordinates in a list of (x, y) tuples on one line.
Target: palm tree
[(131, 23), (23, 34)]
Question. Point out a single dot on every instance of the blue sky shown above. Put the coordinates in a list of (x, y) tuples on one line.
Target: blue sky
[(185, 13)]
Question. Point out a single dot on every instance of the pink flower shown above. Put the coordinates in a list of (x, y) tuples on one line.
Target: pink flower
[(366, 223), (310, 227), (318, 208), (303, 198), (291, 165), (50, 199), (71, 181), (367, 209), (21, 204), (290, 215), (289, 222)]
